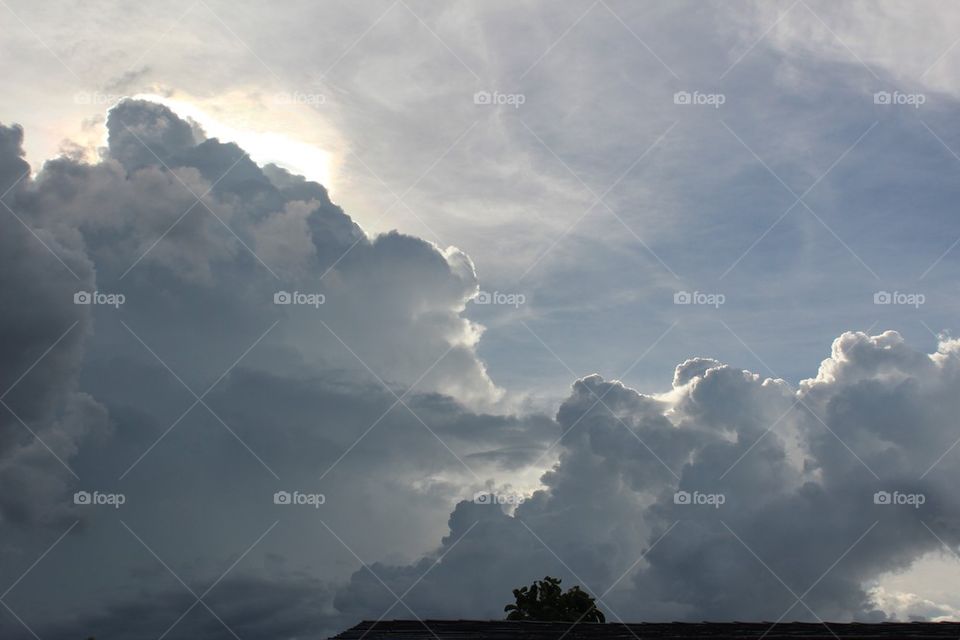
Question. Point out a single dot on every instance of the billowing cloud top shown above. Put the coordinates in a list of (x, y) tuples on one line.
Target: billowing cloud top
[(169, 214), (738, 498), (202, 336)]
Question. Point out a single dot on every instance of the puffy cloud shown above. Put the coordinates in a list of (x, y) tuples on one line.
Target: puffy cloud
[(910, 606), (172, 218), (44, 415), (368, 396), (797, 517), (376, 397)]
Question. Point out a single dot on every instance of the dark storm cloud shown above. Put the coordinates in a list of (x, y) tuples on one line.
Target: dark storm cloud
[(199, 239), (257, 608), (38, 389)]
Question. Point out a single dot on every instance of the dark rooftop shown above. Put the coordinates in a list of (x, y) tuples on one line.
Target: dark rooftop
[(509, 630)]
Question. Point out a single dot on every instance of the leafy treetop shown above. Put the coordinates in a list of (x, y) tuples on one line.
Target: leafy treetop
[(545, 601)]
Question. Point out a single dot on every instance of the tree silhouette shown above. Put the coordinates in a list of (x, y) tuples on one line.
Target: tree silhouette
[(545, 601)]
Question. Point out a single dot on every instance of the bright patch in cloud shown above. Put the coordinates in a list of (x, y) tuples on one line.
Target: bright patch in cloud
[(258, 134)]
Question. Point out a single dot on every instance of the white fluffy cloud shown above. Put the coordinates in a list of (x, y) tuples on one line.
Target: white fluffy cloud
[(170, 213), (789, 511), (910, 606)]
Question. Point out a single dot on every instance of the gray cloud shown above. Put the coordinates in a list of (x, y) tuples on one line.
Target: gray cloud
[(299, 397), (142, 224), (42, 347), (286, 606), (298, 392), (796, 499)]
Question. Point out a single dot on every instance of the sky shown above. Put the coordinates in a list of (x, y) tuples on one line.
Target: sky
[(318, 312)]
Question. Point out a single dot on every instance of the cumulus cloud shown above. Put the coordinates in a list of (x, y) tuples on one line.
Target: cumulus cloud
[(200, 396), (368, 394), (795, 520), (910, 606), (43, 414), (169, 212)]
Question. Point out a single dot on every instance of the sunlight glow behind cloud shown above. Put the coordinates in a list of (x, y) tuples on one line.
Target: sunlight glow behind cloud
[(254, 129)]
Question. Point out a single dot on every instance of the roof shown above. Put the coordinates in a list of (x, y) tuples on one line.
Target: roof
[(515, 630)]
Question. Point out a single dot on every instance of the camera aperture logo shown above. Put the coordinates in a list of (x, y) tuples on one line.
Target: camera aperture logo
[(697, 498), (499, 298), (498, 99), (699, 298), (488, 497), (298, 498), (898, 98), (299, 298), (899, 298), (98, 297), (697, 98), (898, 498), (95, 498)]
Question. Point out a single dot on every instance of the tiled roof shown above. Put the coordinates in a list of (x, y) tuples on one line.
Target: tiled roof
[(509, 630)]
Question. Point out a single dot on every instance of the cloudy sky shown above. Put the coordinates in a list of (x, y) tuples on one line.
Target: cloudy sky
[(316, 312)]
